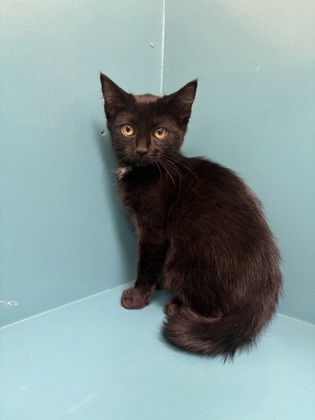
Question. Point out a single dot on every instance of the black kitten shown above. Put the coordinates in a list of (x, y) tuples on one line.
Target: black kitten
[(201, 231)]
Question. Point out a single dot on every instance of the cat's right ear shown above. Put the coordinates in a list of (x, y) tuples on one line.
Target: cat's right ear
[(115, 97)]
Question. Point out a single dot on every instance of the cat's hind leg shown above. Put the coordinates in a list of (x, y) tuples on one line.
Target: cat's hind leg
[(173, 306)]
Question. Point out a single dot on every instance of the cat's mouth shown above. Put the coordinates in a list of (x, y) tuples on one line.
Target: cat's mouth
[(142, 161), (144, 164)]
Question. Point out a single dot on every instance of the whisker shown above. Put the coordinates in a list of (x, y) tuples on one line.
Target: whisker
[(158, 166), (172, 167), (184, 165), (175, 170), (175, 162), (167, 170)]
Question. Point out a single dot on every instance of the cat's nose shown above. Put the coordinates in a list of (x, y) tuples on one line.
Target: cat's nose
[(141, 151)]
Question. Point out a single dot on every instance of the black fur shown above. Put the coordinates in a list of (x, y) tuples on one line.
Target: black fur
[(201, 231)]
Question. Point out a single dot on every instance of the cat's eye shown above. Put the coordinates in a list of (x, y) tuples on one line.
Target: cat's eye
[(160, 133), (127, 130)]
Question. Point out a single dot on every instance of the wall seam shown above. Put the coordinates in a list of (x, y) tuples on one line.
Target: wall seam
[(162, 48)]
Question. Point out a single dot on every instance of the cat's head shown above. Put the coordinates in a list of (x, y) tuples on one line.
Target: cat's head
[(146, 128)]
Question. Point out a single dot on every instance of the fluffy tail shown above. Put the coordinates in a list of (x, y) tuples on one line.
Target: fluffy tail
[(216, 336)]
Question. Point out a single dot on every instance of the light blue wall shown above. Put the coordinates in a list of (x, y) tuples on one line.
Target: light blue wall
[(63, 233), (255, 112)]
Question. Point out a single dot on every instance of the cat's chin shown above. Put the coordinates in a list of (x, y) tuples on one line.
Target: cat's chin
[(143, 163)]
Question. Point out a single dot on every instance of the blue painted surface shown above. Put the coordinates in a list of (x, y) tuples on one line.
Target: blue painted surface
[(95, 360), (64, 236), (255, 113), (63, 233)]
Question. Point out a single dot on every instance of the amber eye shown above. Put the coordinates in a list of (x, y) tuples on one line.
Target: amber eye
[(160, 133), (127, 130)]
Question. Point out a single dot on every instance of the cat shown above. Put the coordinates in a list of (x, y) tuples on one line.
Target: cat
[(201, 231)]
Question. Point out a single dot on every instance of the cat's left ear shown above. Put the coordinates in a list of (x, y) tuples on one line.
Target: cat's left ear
[(115, 97), (182, 100)]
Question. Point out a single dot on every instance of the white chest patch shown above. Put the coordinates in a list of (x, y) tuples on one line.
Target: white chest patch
[(122, 171)]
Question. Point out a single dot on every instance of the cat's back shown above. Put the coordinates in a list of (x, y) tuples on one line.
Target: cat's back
[(214, 199), (206, 181)]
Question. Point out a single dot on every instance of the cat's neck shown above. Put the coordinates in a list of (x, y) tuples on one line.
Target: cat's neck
[(172, 167), (122, 171)]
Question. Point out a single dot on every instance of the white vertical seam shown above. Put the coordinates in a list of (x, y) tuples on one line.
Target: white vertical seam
[(162, 48)]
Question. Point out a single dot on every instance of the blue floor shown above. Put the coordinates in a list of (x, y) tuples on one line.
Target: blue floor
[(94, 360)]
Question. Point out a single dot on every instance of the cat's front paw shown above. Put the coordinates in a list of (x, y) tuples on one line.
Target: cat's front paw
[(135, 298)]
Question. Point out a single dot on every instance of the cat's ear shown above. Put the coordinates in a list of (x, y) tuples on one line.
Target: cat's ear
[(182, 100), (115, 97)]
